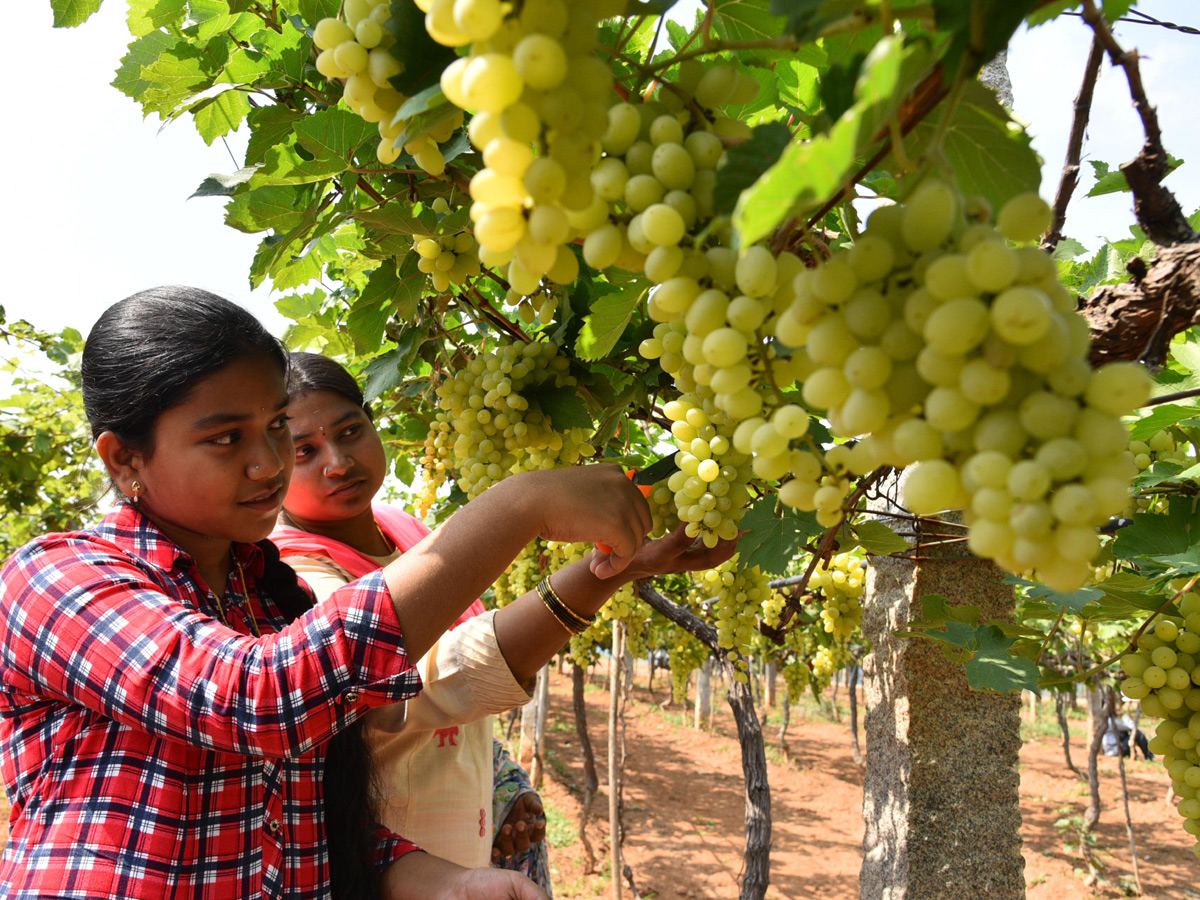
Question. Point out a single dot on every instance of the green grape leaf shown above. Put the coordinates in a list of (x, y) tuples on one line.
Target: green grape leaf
[(993, 668), (217, 116), (313, 11), (1069, 248), (69, 13), (1111, 181), (1162, 540), (605, 322), (334, 134), (876, 538), (804, 19), (1074, 601), (938, 610), (773, 541), (799, 85), (809, 172), (270, 126), (1163, 471), (262, 209), (145, 16), (982, 28), (300, 306), (217, 185), (991, 154), (1162, 417), (397, 218), (387, 372), (1114, 9), (389, 291), (562, 405), (424, 58), (746, 163)]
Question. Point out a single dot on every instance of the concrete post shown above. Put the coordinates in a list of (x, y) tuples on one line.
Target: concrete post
[(940, 798)]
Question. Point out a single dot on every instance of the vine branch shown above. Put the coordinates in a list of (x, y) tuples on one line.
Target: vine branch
[(1070, 173)]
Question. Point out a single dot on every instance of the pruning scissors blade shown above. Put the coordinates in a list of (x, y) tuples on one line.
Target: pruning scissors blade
[(656, 471)]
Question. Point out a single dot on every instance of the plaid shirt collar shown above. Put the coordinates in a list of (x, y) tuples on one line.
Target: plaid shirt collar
[(130, 529)]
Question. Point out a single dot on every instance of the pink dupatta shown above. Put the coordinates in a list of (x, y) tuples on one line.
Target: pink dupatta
[(402, 529)]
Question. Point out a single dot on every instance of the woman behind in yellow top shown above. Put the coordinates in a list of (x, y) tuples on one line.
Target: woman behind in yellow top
[(434, 753)]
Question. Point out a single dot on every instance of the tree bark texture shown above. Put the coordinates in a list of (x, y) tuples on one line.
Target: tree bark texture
[(1137, 319), (756, 860), (614, 770), (1061, 702), (855, 748), (590, 780), (757, 853)]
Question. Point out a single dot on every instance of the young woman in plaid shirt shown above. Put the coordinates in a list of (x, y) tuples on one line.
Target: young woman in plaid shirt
[(175, 713)]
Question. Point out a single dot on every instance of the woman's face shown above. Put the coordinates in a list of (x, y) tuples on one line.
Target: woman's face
[(221, 460), (340, 461)]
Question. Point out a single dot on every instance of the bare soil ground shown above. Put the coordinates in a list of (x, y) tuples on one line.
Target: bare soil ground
[(684, 809)]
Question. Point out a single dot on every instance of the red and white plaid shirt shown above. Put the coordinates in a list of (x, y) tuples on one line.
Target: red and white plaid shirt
[(150, 751)]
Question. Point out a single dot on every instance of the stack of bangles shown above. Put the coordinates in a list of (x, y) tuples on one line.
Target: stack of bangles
[(567, 618)]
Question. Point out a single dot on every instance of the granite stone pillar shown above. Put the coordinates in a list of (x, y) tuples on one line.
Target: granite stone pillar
[(940, 798)]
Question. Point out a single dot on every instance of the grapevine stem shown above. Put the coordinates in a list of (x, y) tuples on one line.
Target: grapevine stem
[(1171, 398), (1070, 173), (1062, 611), (825, 548)]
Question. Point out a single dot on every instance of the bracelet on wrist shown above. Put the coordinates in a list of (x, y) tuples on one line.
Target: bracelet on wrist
[(567, 618)]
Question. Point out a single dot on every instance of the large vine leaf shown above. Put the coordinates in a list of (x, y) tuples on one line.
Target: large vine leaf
[(810, 172), (991, 154), (69, 13), (424, 58), (745, 164), (993, 667), (145, 16), (605, 323), (391, 290), (1163, 417), (773, 541), (1162, 541), (563, 405)]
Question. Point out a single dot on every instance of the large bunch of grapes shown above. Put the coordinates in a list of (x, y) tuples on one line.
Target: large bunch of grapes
[(937, 343), (1164, 675), (497, 431), (355, 50), (538, 94)]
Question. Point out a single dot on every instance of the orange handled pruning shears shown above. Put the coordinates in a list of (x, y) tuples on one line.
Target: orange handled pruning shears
[(645, 479)]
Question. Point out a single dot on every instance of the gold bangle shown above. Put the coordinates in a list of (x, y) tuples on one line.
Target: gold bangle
[(566, 617), (584, 622)]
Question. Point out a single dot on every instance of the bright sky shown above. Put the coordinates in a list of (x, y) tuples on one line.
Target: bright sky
[(97, 196)]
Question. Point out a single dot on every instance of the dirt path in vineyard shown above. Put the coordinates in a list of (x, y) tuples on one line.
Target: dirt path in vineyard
[(684, 810)]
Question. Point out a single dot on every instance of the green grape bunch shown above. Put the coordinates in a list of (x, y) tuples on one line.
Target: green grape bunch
[(497, 432), (355, 51), (943, 347), (1163, 674)]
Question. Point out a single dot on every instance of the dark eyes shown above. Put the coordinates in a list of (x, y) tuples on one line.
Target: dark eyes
[(232, 437)]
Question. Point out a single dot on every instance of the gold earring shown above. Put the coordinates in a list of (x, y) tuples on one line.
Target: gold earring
[(136, 487)]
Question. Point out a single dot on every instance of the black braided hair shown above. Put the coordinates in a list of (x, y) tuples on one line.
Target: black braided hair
[(351, 797)]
